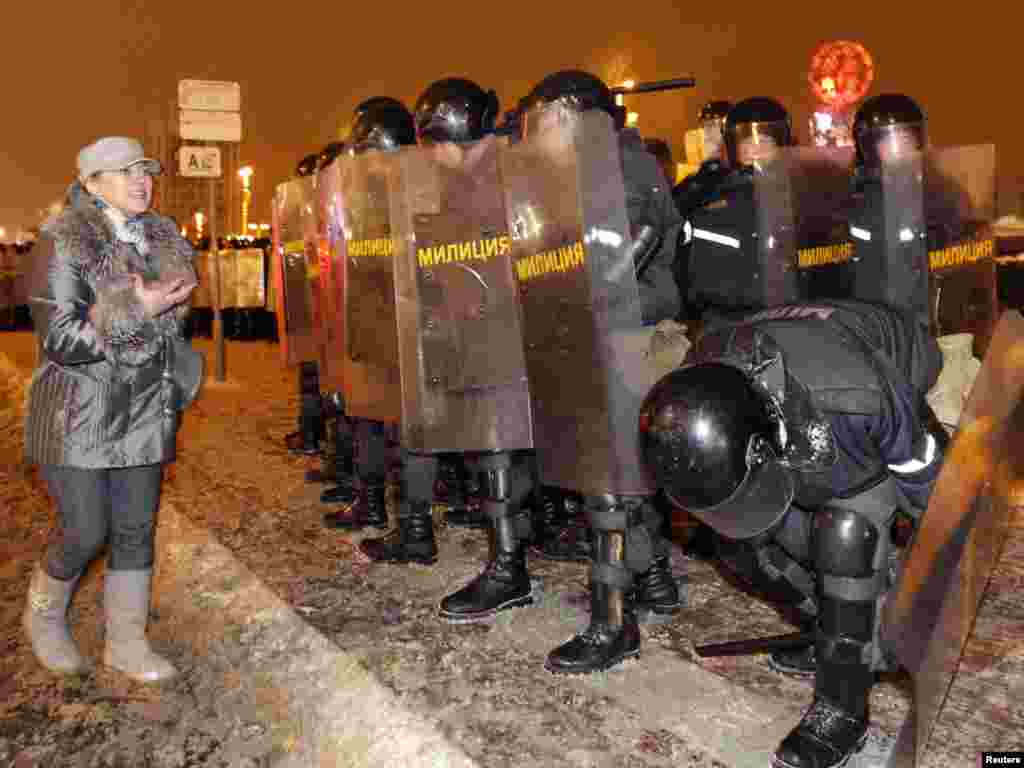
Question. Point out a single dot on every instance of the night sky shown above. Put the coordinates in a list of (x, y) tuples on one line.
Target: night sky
[(74, 71)]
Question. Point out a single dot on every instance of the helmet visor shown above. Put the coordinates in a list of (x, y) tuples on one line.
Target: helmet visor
[(758, 504), (548, 118), (895, 143), (757, 143)]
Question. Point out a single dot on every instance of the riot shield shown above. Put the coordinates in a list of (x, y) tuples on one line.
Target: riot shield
[(928, 618), (364, 253), (573, 260), (888, 232), (7, 274), (921, 239), (819, 179), (743, 255), (22, 262), (776, 240), (330, 287), (459, 338), (228, 265), (250, 279), (959, 198), (297, 270)]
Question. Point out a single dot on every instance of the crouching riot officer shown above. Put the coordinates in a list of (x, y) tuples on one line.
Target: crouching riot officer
[(796, 434)]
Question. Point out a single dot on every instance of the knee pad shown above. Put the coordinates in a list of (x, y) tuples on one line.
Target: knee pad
[(845, 543)]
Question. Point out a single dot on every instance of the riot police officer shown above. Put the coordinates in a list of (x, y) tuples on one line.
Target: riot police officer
[(333, 407), (306, 440), (381, 124), (698, 188), (795, 434), (914, 213), (889, 131), (725, 274), (888, 126), (631, 566), (561, 528), (450, 111)]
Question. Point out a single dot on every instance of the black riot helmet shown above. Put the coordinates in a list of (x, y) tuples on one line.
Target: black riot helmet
[(713, 443), (714, 110), (381, 123), (887, 126), (307, 165), (711, 119), (455, 110), (329, 152), (754, 128), (571, 90)]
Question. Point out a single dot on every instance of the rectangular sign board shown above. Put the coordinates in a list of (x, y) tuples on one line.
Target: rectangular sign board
[(199, 162), (199, 125), (209, 95)]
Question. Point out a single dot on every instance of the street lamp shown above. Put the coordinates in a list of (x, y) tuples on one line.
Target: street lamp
[(245, 174), (628, 84)]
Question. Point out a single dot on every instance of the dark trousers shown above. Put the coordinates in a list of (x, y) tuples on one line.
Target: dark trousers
[(100, 506)]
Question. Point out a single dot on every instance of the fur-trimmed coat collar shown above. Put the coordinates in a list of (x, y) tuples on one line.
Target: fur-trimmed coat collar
[(83, 233), (84, 223)]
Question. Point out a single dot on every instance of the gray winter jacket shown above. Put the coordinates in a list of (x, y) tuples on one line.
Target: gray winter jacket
[(96, 399)]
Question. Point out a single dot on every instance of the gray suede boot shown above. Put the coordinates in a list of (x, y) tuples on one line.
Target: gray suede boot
[(126, 600), (45, 623)]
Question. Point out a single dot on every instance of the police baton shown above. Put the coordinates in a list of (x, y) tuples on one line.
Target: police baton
[(757, 645), (655, 86)]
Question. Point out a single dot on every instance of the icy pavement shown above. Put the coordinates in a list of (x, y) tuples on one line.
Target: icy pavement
[(296, 652)]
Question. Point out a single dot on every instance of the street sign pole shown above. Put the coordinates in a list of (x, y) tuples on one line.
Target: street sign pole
[(218, 318), (210, 111)]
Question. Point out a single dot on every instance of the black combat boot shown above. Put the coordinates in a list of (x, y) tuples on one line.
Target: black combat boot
[(835, 726), (343, 465), (411, 542), (613, 634), (345, 490), (504, 583), (851, 559), (656, 592), (368, 510)]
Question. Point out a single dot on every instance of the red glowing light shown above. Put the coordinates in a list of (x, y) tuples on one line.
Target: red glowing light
[(841, 73)]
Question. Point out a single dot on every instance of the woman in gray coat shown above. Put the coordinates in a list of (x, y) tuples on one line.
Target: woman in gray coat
[(109, 283)]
